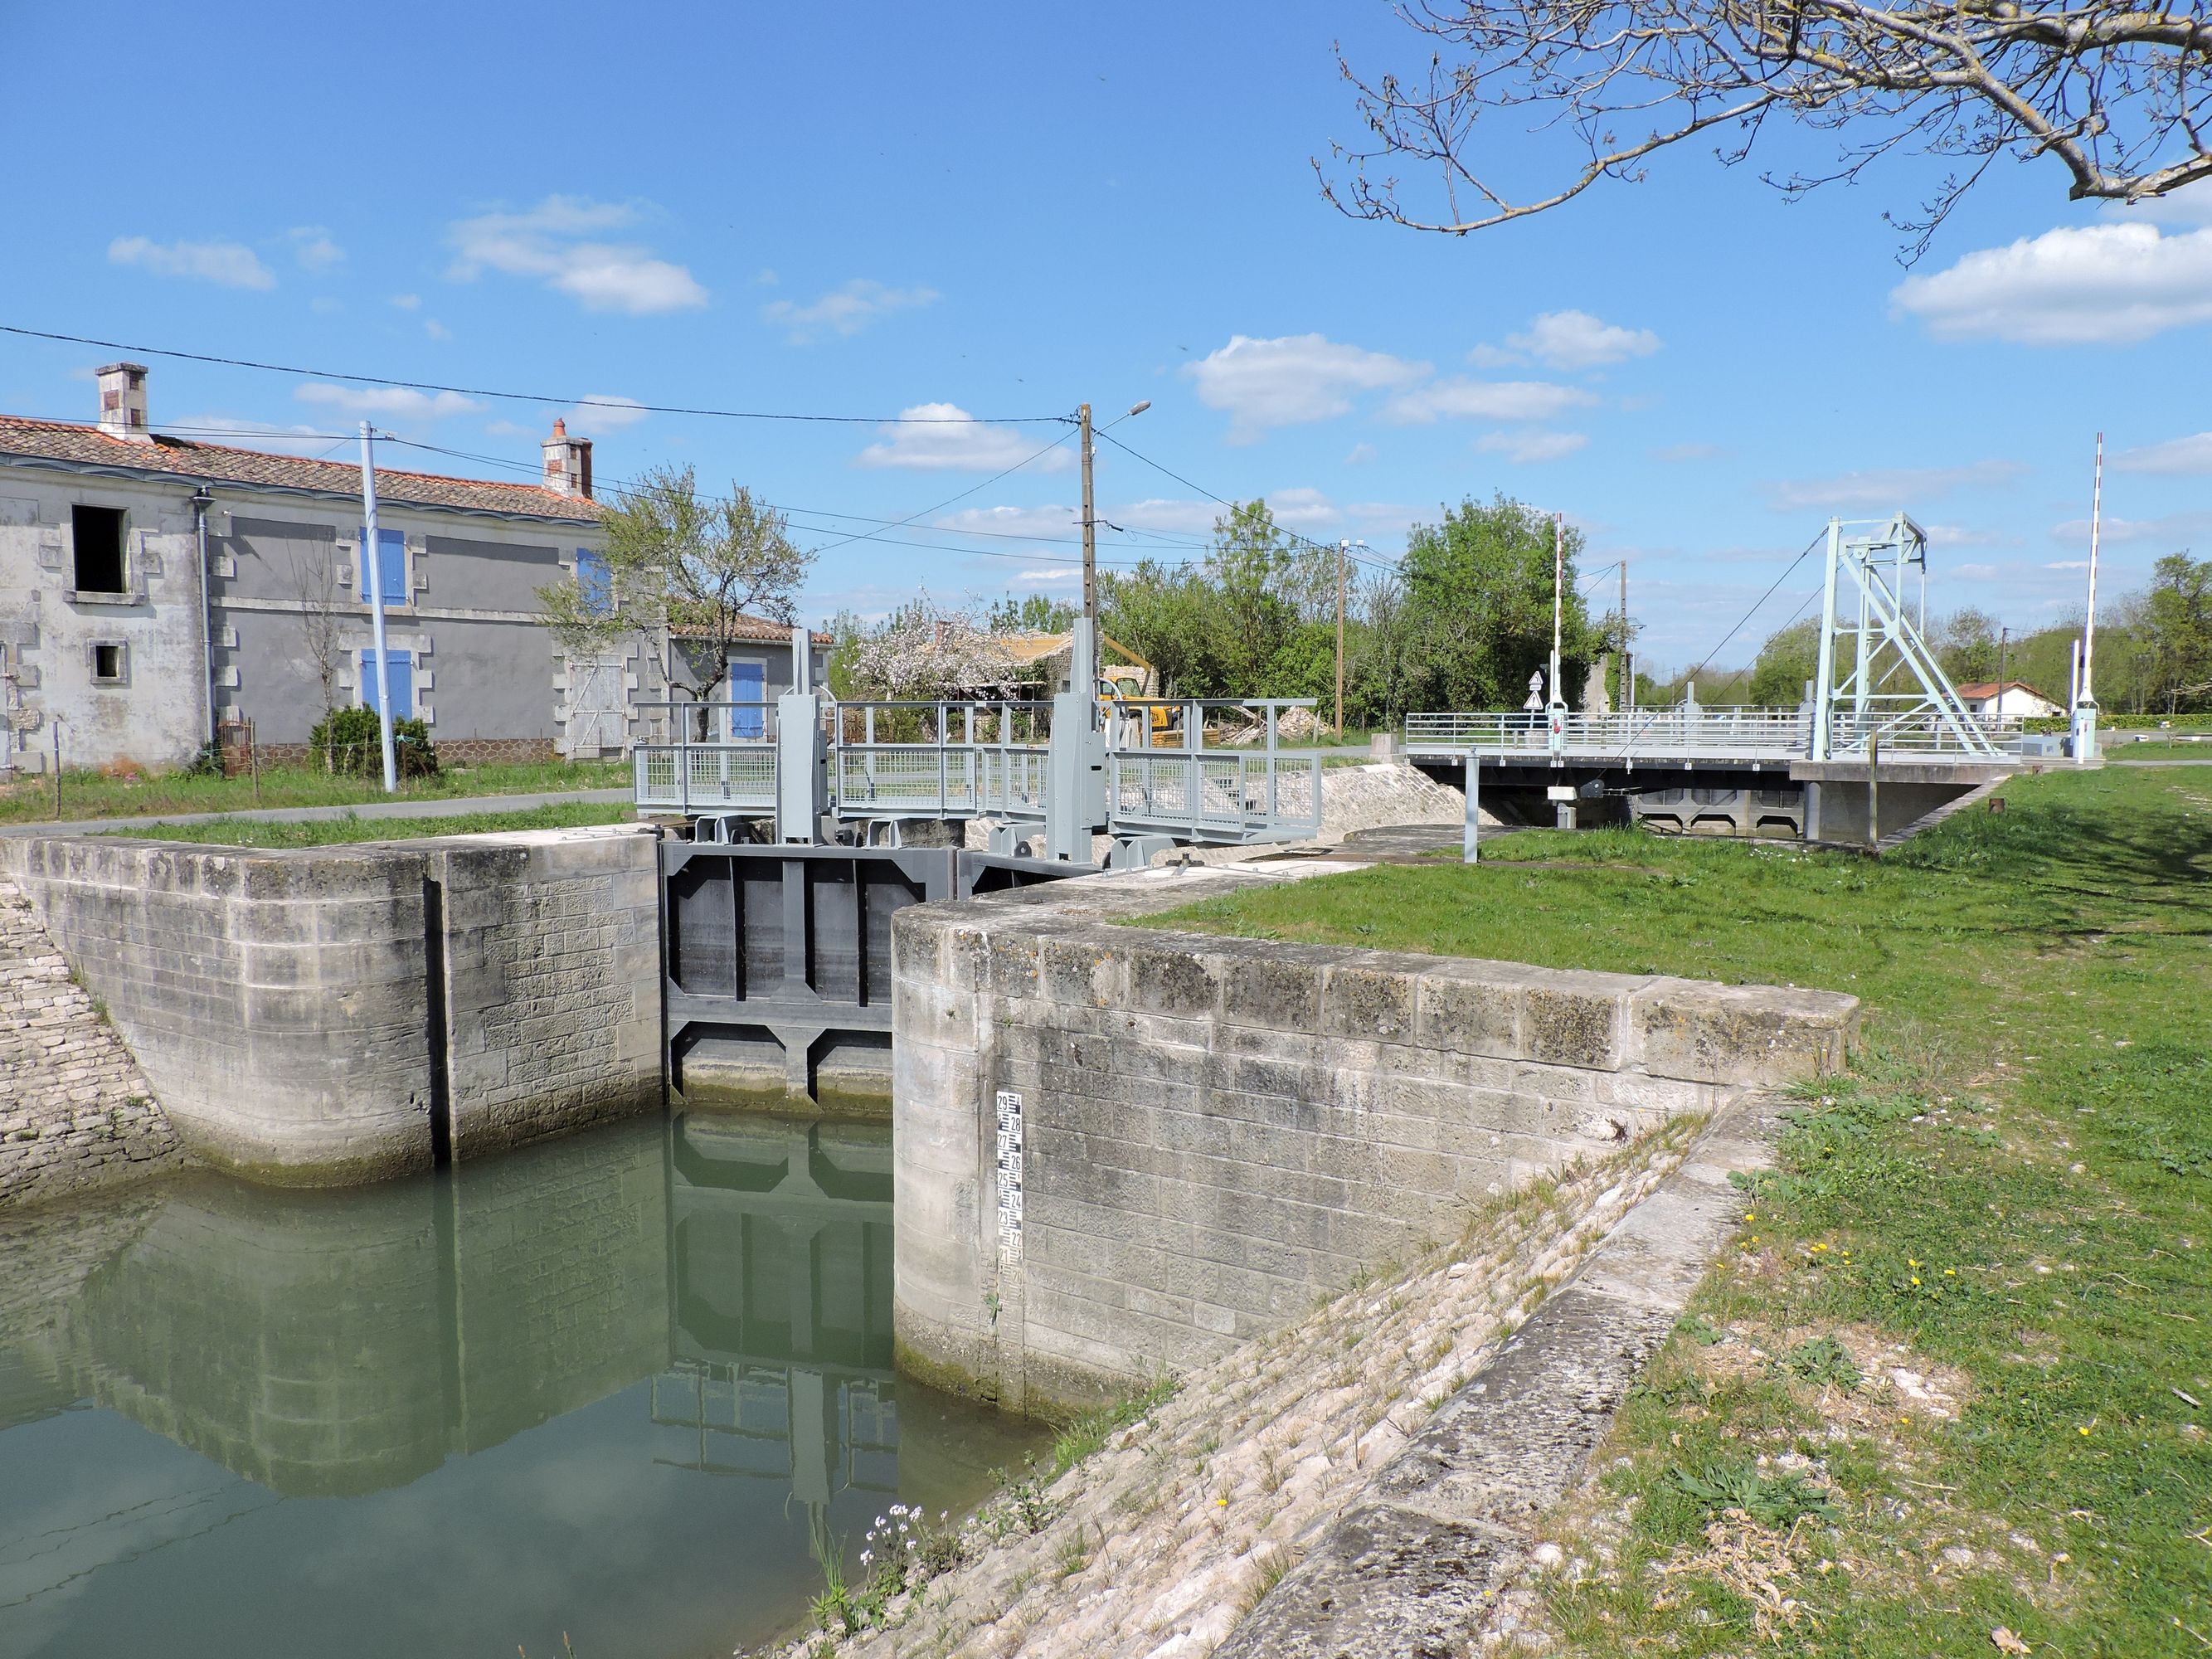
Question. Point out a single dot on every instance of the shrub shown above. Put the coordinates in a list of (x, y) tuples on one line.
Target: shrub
[(351, 740)]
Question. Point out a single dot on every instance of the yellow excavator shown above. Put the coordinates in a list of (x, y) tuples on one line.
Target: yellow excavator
[(1137, 681)]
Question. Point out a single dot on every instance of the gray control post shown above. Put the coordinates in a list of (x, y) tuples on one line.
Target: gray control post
[(1075, 768), (802, 761), (1470, 850)]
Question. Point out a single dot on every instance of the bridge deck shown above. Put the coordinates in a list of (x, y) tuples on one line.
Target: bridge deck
[(1756, 737)]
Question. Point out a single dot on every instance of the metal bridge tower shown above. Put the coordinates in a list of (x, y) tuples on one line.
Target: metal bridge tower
[(1892, 679)]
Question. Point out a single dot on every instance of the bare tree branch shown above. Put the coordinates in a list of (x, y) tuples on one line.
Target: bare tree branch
[(2117, 93)]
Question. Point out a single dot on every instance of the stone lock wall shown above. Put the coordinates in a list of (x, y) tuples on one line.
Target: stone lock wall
[(329, 1017), (1121, 1150)]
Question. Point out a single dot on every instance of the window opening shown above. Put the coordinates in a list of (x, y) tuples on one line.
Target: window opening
[(97, 534)]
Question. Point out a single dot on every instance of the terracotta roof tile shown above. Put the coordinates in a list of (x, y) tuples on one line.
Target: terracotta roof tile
[(72, 444), (764, 630)]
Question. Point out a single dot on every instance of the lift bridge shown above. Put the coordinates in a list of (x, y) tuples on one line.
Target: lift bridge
[(809, 822), (1882, 738)]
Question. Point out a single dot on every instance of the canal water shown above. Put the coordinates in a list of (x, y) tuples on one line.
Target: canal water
[(622, 1386)]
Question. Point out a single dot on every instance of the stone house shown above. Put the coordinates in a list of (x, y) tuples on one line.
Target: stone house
[(157, 592)]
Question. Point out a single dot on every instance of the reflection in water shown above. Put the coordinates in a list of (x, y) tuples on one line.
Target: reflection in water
[(603, 1386)]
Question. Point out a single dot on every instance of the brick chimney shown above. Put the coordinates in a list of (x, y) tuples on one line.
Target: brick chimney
[(567, 462), (123, 402)]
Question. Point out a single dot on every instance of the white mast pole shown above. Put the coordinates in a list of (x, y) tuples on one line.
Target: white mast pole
[(2085, 710)]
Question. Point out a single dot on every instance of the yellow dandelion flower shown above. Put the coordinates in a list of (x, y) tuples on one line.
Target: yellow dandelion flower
[(1916, 1279)]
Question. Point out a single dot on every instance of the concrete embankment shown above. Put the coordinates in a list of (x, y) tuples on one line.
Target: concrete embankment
[(1123, 1149), (331, 1016)]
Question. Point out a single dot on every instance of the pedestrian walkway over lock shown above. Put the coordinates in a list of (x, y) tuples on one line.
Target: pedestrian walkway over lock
[(1159, 768)]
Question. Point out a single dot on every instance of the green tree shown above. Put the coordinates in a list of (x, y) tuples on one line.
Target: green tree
[(1032, 613), (2177, 630), (1967, 646), (1785, 662), (1479, 589), (678, 561)]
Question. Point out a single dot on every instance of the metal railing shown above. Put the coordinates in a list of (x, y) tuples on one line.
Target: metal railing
[(1691, 733), (1163, 779), (703, 757), (940, 760), (977, 760)]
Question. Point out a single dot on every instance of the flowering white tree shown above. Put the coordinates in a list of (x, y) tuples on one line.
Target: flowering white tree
[(923, 652)]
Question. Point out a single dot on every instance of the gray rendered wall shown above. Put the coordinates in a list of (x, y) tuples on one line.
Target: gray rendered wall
[(1211, 1132), (489, 679), (156, 717)]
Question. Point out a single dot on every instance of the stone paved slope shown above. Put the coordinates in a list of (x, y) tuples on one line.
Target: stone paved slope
[(75, 1113)]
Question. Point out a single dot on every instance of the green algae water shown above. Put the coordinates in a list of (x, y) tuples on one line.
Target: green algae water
[(619, 1387)]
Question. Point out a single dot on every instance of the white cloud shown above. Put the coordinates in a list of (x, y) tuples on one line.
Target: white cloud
[(1575, 340), (408, 302), (1169, 515), (1361, 454), (1302, 508), (2182, 456), (1976, 572), (602, 412), (1459, 398), (1886, 490), (1529, 446), (943, 438), (2091, 284), (1064, 573), (2176, 530), (396, 402), (1292, 379), (544, 243), (1043, 523), (846, 310), (312, 247), (229, 264), (1688, 451), (256, 434), (2192, 206), (1957, 535)]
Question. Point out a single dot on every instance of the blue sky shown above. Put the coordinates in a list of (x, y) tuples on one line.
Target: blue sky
[(1008, 209)]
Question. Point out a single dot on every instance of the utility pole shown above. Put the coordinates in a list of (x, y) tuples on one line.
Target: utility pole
[(1089, 684), (372, 562), (1627, 667), (1343, 557)]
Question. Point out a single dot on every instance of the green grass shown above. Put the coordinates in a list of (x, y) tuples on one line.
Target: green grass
[(90, 795), (336, 832), (2015, 1184)]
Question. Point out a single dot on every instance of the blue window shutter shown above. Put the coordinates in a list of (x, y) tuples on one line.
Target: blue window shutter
[(748, 684), (391, 545), (594, 581), (400, 669)]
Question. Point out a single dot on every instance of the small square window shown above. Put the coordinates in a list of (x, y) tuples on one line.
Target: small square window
[(111, 663)]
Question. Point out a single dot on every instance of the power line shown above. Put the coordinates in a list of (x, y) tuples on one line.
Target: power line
[(1318, 547), (533, 397)]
